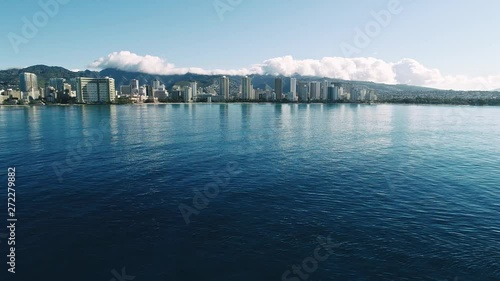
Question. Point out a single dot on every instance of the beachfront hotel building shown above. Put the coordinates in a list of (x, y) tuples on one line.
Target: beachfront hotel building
[(28, 83), (95, 90)]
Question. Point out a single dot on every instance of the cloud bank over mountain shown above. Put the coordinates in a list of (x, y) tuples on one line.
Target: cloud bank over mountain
[(406, 71)]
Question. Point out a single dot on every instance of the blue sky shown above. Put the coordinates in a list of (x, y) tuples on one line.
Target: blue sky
[(455, 37)]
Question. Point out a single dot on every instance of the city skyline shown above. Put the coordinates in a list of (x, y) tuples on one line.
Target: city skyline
[(85, 90), (380, 41)]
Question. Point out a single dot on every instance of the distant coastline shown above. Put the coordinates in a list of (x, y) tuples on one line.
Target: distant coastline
[(484, 103)]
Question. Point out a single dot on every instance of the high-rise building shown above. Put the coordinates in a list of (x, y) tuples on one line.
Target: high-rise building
[(362, 94), (278, 88), (194, 87), (303, 91), (333, 93), (224, 87), (293, 86), (58, 85), (324, 90), (142, 91), (156, 84), (72, 81), (354, 95), (50, 94), (291, 96), (177, 93), (315, 92), (246, 88), (339, 90), (187, 95), (150, 93), (134, 84), (95, 90), (126, 90), (372, 96), (347, 88), (28, 83)]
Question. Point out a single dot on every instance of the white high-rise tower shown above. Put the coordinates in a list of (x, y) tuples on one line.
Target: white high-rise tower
[(293, 86), (224, 87), (194, 87), (246, 88)]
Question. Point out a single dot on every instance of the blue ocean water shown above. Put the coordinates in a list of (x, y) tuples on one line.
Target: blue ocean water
[(402, 192)]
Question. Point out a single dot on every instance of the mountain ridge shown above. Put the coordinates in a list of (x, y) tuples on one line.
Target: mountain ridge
[(10, 78)]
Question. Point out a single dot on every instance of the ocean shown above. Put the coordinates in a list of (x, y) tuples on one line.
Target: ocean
[(255, 192)]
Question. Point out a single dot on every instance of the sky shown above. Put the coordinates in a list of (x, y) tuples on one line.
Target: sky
[(444, 44)]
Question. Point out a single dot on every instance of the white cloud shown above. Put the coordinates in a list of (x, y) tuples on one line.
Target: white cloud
[(128, 61), (406, 71)]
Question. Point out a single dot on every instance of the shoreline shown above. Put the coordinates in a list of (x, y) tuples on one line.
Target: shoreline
[(228, 103)]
